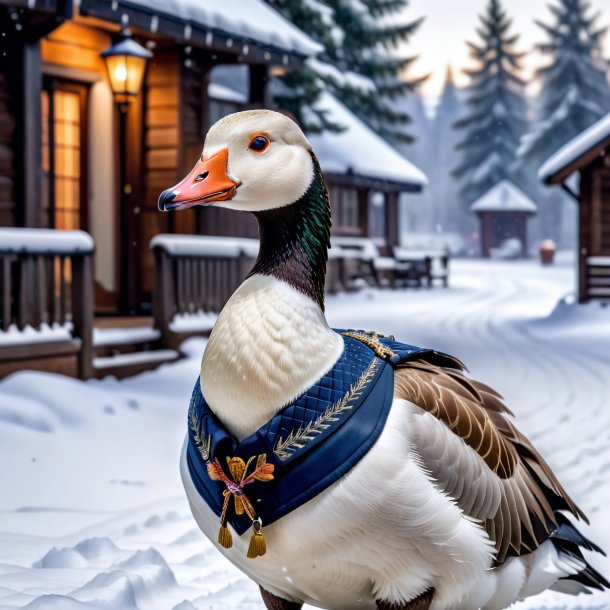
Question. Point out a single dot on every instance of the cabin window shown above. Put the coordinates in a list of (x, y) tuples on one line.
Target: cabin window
[(377, 215), (63, 155), (345, 210)]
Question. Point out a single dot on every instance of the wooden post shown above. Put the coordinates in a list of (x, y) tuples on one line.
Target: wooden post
[(82, 311), (363, 211), (392, 223), (163, 300), (31, 134), (259, 91)]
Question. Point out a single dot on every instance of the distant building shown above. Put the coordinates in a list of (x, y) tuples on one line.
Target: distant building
[(503, 213), (588, 155)]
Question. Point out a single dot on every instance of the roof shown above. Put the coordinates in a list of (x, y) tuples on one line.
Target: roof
[(504, 197), (577, 153), (360, 151), (247, 27)]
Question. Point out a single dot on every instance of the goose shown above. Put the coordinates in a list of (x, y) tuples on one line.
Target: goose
[(344, 469)]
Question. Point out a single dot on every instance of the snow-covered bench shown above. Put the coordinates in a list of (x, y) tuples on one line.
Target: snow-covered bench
[(46, 300), (417, 266), (195, 276)]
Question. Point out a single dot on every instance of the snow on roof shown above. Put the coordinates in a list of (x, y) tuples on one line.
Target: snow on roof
[(226, 94), (44, 240), (596, 135), (359, 150), (250, 19), (504, 197)]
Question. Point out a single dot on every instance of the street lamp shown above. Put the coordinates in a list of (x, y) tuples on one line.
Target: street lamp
[(126, 62)]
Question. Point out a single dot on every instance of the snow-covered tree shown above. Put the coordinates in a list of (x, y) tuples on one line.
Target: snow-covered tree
[(575, 91), (359, 64), (451, 107), (372, 32), (496, 113), (298, 91)]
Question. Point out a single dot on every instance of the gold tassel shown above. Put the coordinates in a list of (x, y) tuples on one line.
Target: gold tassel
[(257, 547), (239, 506), (225, 538)]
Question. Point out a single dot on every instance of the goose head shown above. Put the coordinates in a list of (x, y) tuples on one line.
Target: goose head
[(254, 160)]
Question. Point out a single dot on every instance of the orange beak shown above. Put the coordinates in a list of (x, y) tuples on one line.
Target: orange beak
[(207, 182)]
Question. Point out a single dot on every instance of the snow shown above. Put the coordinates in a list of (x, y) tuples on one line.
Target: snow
[(92, 511), (45, 333), (221, 92), (249, 19), (157, 355), (598, 135), (339, 78), (359, 150), (125, 336), (504, 197), (193, 322), (355, 247), (41, 241), (200, 245)]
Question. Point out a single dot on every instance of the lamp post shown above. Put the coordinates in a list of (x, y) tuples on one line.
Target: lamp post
[(126, 64)]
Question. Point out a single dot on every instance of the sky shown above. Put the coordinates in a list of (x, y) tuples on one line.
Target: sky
[(441, 40)]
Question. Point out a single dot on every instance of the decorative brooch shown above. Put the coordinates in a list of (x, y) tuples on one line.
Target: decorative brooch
[(235, 484)]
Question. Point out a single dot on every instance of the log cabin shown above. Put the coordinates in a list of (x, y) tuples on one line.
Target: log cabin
[(78, 154), (582, 168)]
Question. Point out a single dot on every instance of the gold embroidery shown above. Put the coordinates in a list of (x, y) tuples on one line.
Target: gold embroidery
[(299, 438), (371, 339)]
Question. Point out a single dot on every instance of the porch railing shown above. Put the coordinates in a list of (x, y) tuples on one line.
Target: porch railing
[(196, 275), (46, 297)]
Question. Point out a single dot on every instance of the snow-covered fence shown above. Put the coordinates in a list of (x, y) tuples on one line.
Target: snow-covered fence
[(196, 275), (46, 300)]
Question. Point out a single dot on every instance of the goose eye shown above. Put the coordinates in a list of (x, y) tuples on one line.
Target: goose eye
[(259, 143)]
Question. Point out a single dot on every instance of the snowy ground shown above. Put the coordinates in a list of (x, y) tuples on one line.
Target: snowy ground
[(92, 513)]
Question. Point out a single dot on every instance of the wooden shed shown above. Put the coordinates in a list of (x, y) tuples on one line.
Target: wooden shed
[(588, 157), (503, 213)]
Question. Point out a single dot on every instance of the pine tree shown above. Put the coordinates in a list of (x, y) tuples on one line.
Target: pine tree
[(358, 64), (450, 109), (369, 48), (297, 92), (496, 114), (575, 91)]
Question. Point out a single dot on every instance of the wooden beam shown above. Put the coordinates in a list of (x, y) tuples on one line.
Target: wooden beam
[(31, 134), (260, 95), (392, 223)]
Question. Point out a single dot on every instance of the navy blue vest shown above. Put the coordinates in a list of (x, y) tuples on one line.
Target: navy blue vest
[(311, 442)]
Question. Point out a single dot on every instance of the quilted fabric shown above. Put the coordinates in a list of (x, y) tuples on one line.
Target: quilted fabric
[(311, 442)]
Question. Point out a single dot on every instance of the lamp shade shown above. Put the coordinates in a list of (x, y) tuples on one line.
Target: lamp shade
[(126, 64)]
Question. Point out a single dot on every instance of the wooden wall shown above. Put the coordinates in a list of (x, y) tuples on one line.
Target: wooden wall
[(7, 156), (161, 150), (76, 46)]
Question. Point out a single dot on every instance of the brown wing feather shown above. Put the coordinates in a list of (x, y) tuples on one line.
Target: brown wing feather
[(523, 515)]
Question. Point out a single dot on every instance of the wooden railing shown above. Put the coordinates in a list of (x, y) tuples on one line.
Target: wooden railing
[(46, 299), (597, 278), (196, 275)]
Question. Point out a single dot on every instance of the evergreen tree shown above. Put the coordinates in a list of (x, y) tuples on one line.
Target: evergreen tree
[(575, 91), (371, 36), (298, 91), (358, 63), (450, 109), (496, 108)]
